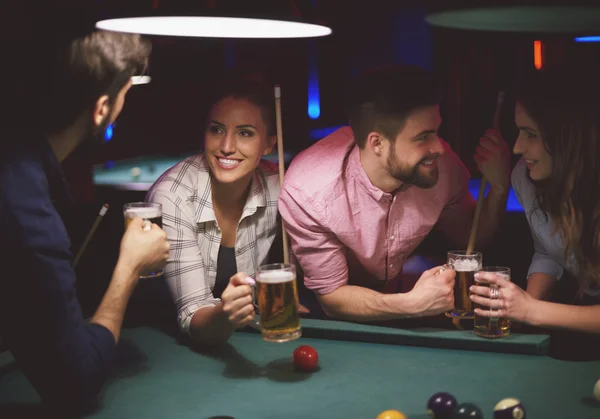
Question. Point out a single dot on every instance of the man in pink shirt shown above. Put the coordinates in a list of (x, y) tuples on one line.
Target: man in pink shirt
[(358, 203)]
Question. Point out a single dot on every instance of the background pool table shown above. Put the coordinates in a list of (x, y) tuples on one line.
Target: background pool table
[(158, 377), (117, 175)]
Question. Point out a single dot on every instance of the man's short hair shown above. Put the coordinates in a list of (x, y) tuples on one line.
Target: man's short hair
[(381, 99)]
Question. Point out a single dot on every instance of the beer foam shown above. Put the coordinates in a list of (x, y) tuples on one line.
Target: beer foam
[(465, 265), (145, 213), (275, 277)]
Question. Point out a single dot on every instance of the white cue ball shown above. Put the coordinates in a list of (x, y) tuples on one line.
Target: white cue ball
[(136, 172), (597, 390)]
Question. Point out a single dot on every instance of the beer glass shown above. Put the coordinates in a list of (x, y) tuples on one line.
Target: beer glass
[(492, 327), (277, 296), (151, 212), (465, 265)]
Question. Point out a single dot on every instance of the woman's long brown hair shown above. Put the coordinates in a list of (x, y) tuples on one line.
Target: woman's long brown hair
[(565, 104)]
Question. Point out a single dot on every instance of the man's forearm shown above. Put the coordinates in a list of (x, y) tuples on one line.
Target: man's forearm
[(112, 308), (210, 326), (355, 303)]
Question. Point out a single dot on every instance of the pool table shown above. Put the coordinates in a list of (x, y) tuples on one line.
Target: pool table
[(363, 370), (117, 175)]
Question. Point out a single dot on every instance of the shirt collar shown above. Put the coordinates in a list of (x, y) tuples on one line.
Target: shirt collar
[(356, 170)]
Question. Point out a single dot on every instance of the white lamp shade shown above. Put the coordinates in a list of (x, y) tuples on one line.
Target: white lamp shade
[(213, 27)]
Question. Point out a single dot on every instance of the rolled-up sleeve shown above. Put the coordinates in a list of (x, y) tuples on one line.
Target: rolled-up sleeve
[(184, 271), (318, 251), (542, 262)]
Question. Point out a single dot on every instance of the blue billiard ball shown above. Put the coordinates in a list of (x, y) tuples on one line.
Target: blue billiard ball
[(467, 410), (510, 408), (441, 405)]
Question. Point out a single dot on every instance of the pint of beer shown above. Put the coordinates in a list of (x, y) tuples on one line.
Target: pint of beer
[(151, 212), (277, 296), (492, 327), (465, 265)]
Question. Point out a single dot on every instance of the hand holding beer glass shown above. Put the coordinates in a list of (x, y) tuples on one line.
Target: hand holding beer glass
[(492, 326), (151, 213), (465, 264), (278, 304)]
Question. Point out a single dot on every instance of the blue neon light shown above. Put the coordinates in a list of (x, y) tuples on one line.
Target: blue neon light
[(108, 134), (314, 101), (588, 39), (512, 204)]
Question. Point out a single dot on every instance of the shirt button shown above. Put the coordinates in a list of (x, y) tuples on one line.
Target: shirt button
[(391, 265), (392, 238)]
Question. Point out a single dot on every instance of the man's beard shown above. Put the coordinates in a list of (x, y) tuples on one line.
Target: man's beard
[(410, 174)]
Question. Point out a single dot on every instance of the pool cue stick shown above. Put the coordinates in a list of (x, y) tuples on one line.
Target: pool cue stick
[(281, 161), (90, 234), (471, 244), (496, 125)]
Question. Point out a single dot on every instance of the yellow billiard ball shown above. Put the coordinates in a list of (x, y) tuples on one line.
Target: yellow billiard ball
[(391, 414)]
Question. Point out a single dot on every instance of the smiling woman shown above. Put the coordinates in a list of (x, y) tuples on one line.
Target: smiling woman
[(220, 211)]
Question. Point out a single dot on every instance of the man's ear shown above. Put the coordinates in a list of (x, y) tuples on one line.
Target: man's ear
[(101, 110), (375, 143)]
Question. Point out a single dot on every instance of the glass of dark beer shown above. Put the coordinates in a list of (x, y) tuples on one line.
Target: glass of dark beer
[(465, 265), (277, 296), (494, 326), (151, 213)]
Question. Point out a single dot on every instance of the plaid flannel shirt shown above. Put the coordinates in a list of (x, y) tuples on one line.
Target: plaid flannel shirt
[(194, 234)]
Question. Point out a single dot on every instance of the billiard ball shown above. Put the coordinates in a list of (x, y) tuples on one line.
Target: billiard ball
[(509, 408), (305, 358), (467, 410), (136, 172), (597, 390), (391, 414), (441, 405)]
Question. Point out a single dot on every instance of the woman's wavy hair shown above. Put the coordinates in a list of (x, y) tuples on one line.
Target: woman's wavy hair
[(565, 104)]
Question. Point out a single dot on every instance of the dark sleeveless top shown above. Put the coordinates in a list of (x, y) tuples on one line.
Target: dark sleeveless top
[(226, 268)]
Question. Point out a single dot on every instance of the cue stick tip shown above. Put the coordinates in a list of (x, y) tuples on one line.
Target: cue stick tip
[(277, 91), (103, 210)]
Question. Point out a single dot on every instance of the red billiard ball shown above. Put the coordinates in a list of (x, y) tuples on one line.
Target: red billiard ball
[(305, 358)]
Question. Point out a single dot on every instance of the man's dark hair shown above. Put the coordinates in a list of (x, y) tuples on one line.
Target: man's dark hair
[(381, 99), (100, 63)]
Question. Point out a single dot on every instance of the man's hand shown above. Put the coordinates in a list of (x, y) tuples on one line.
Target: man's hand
[(433, 293), (144, 248)]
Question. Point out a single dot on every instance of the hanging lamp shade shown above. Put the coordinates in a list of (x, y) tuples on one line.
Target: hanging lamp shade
[(571, 18), (218, 19)]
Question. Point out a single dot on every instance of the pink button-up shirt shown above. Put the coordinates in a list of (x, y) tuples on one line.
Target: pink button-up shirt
[(343, 230)]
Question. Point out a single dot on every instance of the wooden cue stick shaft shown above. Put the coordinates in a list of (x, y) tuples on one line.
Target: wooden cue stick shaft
[(281, 162), (90, 234), (495, 124)]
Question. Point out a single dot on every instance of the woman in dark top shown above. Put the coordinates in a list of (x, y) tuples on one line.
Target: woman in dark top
[(220, 212)]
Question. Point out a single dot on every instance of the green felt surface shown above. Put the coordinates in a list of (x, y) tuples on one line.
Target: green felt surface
[(250, 378), (118, 174)]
